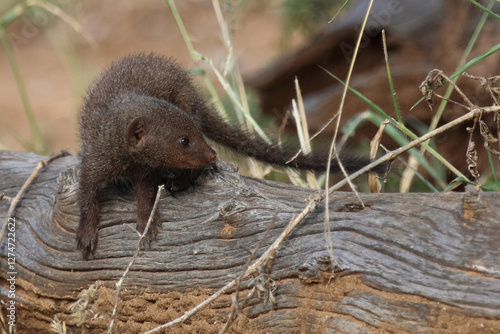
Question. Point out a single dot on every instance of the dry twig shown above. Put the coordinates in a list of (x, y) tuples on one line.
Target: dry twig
[(143, 237), (314, 201), (235, 305), (15, 201)]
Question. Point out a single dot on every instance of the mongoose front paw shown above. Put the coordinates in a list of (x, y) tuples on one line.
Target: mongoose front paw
[(86, 239)]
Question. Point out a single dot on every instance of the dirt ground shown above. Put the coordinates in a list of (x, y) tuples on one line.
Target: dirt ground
[(57, 64), (154, 309)]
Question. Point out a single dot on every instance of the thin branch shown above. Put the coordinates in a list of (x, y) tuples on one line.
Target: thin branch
[(15, 201), (313, 202), (235, 307), (268, 254), (333, 148), (395, 153), (143, 236)]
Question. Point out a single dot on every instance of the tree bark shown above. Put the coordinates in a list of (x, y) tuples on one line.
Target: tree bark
[(406, 263)]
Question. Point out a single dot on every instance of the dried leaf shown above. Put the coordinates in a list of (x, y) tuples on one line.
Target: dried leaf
[(472, 159), (489, 139), (433, 81)]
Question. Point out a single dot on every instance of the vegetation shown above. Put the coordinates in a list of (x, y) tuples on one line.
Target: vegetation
[(236, 102), (306, 17)]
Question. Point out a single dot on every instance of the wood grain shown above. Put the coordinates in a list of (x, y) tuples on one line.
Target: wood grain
[(407, 262)]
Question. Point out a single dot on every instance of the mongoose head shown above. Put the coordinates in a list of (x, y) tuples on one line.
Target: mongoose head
[(159, 134)]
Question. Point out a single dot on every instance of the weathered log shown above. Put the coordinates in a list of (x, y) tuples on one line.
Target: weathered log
[(406, 263)]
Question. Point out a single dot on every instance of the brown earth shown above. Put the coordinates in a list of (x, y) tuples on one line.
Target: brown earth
[(154, 309)]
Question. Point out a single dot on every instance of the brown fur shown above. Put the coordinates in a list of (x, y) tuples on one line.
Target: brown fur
[(144, 120)]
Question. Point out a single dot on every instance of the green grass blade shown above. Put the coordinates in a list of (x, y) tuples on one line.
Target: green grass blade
[(484, 9), (449, 89), (340, 10), (12, 14), (402, 128), (39, 144), (393, 132), (195, 56), (468, 65), (492, 165), (391, 83), (475, 61)]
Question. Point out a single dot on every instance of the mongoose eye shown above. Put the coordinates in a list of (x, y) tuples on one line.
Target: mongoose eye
[(184, 141)]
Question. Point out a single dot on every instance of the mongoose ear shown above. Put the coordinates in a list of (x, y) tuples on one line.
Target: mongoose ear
[(136, 132)]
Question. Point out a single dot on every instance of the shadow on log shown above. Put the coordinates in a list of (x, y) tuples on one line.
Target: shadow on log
[(407, 263)]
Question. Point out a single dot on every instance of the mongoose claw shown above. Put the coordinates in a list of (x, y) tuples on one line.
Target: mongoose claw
[(86, 241)]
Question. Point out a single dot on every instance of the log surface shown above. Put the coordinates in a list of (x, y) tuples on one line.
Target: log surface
[(406, 263)]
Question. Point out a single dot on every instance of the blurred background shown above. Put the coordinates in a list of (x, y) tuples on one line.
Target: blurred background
[(60, 46), (57, 63)]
